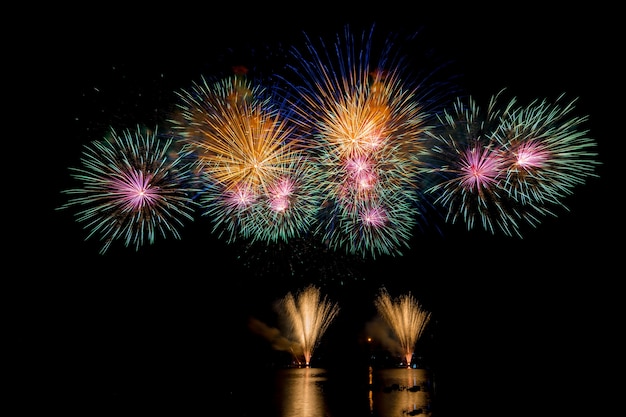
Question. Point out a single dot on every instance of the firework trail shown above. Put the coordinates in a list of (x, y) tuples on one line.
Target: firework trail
[(135, 187), (508, 165), (307, 316), (367, 122), (258, 180), (406, 318)]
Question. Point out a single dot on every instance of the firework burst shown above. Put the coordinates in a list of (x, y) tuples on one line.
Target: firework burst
[(368, 124), (250, 157), (508, 165), (286, 209), (135, 187), (352, 149), (547, 152), (240, 138), (466, 166)]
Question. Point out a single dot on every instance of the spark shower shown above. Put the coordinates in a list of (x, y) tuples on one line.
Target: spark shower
[(406, 318), (307, 316)]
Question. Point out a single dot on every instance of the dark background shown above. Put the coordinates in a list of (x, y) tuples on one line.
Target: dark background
[(524, 321)]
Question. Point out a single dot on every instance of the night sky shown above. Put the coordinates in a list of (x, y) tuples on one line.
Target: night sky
[(537, 315)]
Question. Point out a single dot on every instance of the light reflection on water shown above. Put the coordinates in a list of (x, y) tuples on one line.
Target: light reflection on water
[(397, 392), (300, 392), (314, 392)]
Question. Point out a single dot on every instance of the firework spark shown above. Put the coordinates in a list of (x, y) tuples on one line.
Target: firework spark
[(308, 315), (134, 187), (406, 318)]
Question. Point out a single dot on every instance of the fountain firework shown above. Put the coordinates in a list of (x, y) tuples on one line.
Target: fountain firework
[(406, 318), (307, 316)]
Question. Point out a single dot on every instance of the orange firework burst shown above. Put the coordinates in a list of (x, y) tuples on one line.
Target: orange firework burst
[(365, 112), (242, 141)]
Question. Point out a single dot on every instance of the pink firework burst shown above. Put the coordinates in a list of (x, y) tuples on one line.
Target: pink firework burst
[(530, 155), (550, 154), (479, 169), (280, 192), (135, 190), (374, 216), (240, 197), (361, 171)]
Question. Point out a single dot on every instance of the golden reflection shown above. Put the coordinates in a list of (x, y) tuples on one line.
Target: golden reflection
[(300, 393)]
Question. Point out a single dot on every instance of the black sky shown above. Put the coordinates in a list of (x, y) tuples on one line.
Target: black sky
[(546, 303)]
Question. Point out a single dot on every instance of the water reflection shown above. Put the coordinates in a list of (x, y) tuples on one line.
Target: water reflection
[(304, 392), (300, 392), (397, 392)]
